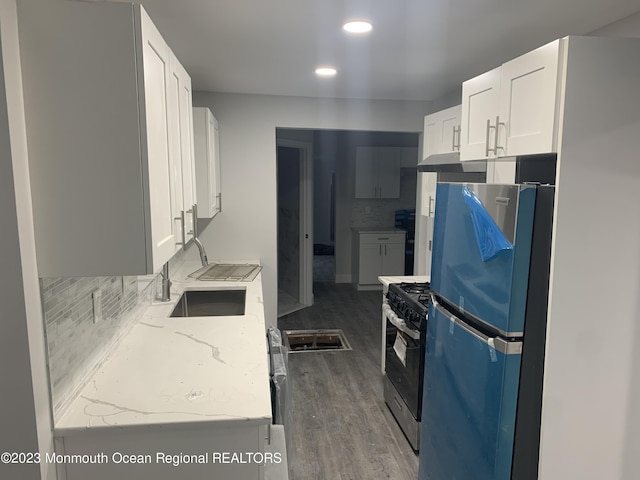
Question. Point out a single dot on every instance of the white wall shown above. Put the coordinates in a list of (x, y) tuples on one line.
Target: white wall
[(627, 27), (246, 228), (25, 417)]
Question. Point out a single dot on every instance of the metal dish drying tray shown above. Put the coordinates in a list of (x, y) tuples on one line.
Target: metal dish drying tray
[(229, 272)]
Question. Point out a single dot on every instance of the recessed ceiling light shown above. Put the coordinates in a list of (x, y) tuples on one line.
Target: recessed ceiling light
[(326, 71), (357, 26)]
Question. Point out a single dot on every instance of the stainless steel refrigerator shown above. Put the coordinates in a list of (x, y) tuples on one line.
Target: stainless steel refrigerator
[(486, 332)]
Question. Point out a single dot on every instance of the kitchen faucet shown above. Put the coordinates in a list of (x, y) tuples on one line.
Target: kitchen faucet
[(203, 254), (196, 240)]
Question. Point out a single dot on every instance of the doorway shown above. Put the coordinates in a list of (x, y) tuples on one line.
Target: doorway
[(295, 216)]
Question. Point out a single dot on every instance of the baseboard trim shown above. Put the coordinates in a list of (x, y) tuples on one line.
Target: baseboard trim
[(343, 278), (368, 287)]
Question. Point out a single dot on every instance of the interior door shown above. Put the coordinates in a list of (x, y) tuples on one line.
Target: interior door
[(295, 221)]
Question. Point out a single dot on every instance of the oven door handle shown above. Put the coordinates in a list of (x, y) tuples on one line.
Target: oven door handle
[(398, 322)]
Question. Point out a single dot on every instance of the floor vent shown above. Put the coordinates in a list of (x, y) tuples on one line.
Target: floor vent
[(315, 340)]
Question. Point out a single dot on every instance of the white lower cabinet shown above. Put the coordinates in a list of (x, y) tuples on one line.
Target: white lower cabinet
[(375, 253), (105, 165), (231, 450)]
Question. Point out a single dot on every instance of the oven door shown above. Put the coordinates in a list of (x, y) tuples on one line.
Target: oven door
[(404, 361)]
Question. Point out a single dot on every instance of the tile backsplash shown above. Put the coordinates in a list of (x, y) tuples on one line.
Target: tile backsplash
[(76, 345)]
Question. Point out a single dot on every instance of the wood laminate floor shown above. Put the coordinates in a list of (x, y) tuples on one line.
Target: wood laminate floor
[(341, 427)]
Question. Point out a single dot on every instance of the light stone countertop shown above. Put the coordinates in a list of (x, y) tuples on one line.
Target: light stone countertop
[(385, 281), (176, 371)]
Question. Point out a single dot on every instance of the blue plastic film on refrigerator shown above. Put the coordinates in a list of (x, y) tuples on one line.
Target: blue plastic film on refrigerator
[(469, 405), (490, 238), (493, 290)]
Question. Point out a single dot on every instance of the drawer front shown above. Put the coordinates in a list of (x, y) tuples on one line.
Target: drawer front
[(381, 238)]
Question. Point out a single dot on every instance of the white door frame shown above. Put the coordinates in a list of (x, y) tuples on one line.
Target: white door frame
[(306, 216)]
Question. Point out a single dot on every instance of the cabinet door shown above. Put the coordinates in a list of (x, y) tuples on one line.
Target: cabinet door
[(393, 258), (187, 159), (430, 139), (205, 134), (173, 109), (370, 263), (366, 172), (480, 108), (429, 183), (528, 91), (449, 129), (164, 234), (428, 244), (214, 165), (389, 161)]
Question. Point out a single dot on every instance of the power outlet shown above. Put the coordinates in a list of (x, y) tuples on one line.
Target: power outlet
[(96, 296)]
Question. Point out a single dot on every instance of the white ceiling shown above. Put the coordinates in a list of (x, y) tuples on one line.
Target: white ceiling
[(418, 49)]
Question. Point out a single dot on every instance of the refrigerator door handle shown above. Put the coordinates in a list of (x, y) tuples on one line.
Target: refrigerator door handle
[(497, 343)]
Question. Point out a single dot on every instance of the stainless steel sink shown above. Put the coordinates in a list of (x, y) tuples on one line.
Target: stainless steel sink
[(210, 303)]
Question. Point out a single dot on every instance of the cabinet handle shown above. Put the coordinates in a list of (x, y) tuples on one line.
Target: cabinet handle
[(383, 238), (379, 192), (194, 217), (380, 249), (183, 228), (489, 127), (268, 437), (219, 197), (456, 145), (498, 125), (385, 249), (431, 199), (453, 139)]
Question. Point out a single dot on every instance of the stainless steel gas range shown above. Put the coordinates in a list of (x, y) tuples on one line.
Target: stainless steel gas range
[(405, 310)]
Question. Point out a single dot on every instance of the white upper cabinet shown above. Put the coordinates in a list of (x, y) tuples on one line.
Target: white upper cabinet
[(180, 100), (207, 154), (480, 100), (528, 99), (378, 172), (442, 132), (164, 168), (512, 110), (104, 163)]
